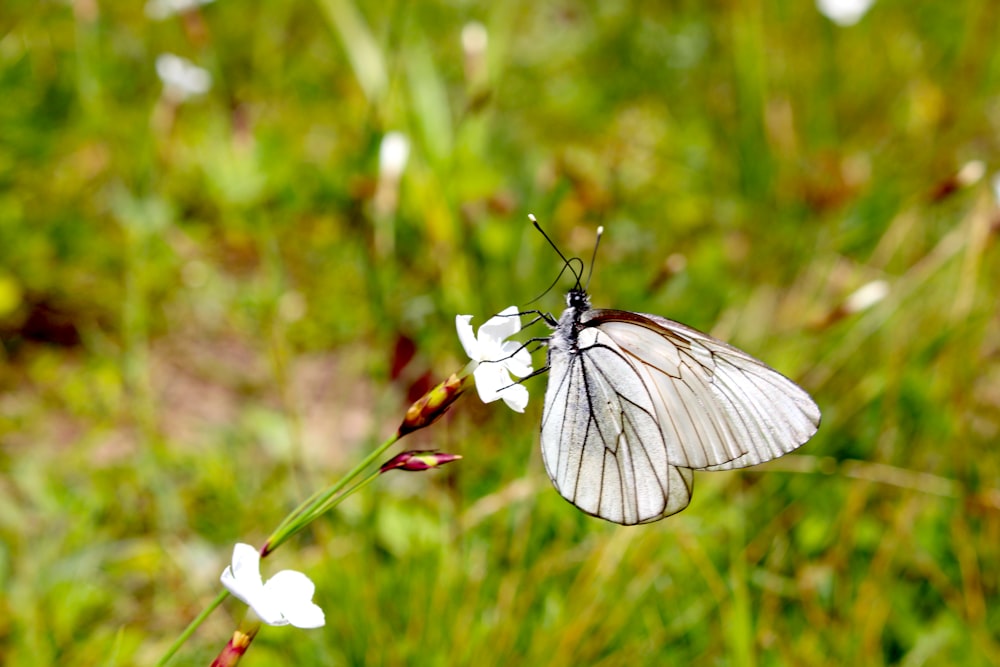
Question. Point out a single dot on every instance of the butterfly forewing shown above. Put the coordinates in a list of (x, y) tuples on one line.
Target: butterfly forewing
[(777, 414), (717, 407), (676, 373)]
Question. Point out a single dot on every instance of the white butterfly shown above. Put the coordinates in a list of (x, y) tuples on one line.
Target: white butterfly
[(636, 402)]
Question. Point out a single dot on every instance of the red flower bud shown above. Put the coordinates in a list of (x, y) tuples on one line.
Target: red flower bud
[(429, 407), (418, 460), (237, 646)]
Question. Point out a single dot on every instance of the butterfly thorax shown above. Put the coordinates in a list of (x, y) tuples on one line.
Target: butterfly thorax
[(564, 338)]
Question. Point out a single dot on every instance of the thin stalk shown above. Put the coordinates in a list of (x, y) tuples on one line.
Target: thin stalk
[(192, 626), (320, 502)]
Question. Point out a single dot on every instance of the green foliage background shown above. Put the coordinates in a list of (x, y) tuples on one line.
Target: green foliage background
[(205, 317)]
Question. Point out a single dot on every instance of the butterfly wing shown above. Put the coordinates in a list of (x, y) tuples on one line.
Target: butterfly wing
[(716, 407), (602, 444)]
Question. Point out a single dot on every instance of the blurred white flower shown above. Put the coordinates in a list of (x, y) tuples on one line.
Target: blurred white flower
[(181, 78), (392, 155), (474, 39), (286, 598), (844, 12), (497, 358), (866, 296), (971, 173), (161, 9), (995, 182)]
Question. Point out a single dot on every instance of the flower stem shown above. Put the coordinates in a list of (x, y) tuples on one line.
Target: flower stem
[(322, 501), (192, 626)]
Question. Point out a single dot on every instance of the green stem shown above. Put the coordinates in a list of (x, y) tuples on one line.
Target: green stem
[(320, 502), (192, 626), (333, 502)]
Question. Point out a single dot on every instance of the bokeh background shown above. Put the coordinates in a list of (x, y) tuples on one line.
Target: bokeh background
[(220, 286)]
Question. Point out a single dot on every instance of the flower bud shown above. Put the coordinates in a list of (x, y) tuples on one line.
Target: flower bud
[(415, 461), (429, 407), (237, 646)]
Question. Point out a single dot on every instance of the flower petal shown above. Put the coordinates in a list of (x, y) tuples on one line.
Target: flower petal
[(844, 12), (268, 609), (291, 593), (242, 577), (307, 616), (490, 379), (467, 337), (516, 397), (501, 326), (291, 586), (516, 359)]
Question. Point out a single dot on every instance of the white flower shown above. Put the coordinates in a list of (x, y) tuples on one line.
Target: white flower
[(392, 155), (497, 357), (286, 598), (844, 12), (161, 9), (971, 173), (181, 78), (866, 296), (474, 39)]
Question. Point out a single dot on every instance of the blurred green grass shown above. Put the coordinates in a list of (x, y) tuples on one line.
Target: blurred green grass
[(204, 319)]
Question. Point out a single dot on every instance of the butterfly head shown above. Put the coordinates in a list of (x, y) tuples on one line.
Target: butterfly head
[(578, 300)]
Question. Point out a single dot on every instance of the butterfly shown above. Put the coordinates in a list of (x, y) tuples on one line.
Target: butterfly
[(636, 402)]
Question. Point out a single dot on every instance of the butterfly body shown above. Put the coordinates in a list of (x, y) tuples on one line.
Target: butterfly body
[(636, 402)]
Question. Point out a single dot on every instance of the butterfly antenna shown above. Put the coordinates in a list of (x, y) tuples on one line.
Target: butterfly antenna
[(549, 288), (566, 262), (593, 258)]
